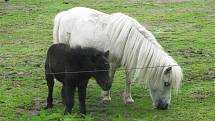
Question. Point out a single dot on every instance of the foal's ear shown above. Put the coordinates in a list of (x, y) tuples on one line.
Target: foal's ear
[(168, 70), (106, 54)]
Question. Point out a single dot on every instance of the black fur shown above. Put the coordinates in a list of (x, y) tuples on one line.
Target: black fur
[(62, 58)]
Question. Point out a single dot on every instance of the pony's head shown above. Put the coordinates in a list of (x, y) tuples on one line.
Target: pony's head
[(160, 90)]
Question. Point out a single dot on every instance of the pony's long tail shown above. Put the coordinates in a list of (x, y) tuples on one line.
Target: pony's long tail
[(57, 20)]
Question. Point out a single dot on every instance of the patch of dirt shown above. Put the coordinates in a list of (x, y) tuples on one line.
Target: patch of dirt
[(158, 1), (211, 15), (35, 109), (200, 95), (15, 75), (192, 52), (1, 60), (147, 26), (210, 73), (170, 1), (2, 14), (13, 6), (73, 2), (38, 104), (20, 111), (4, 31)]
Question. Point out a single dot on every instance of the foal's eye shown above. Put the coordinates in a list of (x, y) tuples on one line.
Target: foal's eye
[(166, 84)]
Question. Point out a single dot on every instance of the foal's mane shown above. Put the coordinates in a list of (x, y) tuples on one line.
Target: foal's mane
[(138, 49), (87, 50)]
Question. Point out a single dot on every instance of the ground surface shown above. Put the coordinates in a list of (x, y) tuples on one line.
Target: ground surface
[(186, 29)]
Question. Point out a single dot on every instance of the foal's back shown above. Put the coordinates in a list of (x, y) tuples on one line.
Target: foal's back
[(63, 61), (59, 61)]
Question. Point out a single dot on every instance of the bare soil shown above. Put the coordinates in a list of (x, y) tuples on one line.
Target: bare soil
[(13, 6), (158, 1), (35, 109)]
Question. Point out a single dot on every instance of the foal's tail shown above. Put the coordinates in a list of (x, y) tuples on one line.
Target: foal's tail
[(57, 20)]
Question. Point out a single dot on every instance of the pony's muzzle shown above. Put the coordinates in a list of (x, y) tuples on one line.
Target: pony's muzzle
[(161, 105)]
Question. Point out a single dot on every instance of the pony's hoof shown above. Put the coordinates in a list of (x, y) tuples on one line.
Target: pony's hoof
[(128, 99), (106, 99)]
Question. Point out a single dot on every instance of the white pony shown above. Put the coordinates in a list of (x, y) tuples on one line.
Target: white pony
[(130, 45)]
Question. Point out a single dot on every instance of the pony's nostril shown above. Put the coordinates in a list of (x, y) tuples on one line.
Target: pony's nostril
[(161, 105), (165, 106)]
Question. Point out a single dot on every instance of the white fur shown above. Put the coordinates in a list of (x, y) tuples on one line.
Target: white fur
[(130, 44)]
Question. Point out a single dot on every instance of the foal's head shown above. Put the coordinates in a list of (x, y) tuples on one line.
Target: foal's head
[(97, 62), (102, 67)]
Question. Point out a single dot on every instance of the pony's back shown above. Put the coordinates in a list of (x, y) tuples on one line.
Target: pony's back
[(80, 26)]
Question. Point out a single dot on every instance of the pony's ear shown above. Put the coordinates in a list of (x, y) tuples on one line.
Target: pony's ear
[(106, 54), (167, 71)]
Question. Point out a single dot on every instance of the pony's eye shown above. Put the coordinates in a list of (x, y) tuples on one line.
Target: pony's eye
[(166, 84)]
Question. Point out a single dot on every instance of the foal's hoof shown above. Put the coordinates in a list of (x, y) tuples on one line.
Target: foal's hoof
[(49, 106), (106, 99), (67, 112), (80, 116)]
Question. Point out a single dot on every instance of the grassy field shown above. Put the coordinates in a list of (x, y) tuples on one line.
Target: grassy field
[(186, 29)]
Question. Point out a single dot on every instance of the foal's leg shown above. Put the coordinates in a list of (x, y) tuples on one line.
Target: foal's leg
[(127, 94), (63, 94), (69, 91), (50, 84), (82, 96), (106, 94)]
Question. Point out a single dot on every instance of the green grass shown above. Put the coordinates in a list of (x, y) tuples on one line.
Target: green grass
[(185, 29)]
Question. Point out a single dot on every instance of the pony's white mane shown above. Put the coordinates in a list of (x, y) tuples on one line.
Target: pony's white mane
[(136, 47)]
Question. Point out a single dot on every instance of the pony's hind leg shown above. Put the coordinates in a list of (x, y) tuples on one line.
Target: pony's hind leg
[(106, 97), (127, 94)]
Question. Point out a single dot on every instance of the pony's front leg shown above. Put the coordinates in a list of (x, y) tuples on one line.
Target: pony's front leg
[(127, 94), (106, 96)]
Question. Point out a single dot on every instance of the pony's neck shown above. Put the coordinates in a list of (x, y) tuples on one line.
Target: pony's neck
[(137, 49)]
